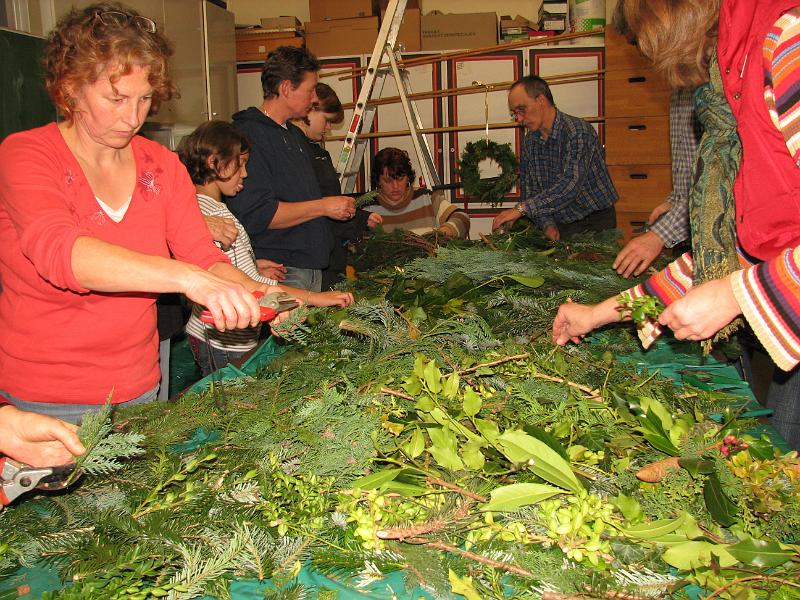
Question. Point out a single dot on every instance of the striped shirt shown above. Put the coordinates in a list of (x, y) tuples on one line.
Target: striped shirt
[(243, 258), (425, 213), (564, 178), (768, 292)]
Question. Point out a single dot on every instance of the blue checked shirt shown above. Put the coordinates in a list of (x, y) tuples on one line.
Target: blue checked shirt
[(564, 178), (684, 135)]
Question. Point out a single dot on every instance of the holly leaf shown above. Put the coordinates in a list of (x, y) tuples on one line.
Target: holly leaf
[(513, 497), (759, 553)]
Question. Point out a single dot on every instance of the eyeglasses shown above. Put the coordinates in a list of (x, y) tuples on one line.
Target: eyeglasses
[(518, 111), (114, 18)]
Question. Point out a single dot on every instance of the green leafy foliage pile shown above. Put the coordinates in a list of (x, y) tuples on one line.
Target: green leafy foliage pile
[(433, 429)]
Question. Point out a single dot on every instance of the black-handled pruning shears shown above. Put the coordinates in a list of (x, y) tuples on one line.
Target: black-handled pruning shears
[(17, 478)]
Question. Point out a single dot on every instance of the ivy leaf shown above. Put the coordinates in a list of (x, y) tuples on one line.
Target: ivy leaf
[(519, 447), (375, 480), (531, 282), (433, 377), (718, 504), (513, 497), (759, 553), (472, 402), (463, 586)]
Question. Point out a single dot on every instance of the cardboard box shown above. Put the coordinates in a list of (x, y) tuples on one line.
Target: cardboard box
[(324, 10), (255, 44), (515, 26), (456, 31), (342, 37), (273, 24), (410, 34)]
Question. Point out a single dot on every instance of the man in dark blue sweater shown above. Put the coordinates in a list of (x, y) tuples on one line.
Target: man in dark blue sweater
[(281, 206)]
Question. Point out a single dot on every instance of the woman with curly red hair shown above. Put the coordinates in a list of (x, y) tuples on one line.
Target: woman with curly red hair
[(96, 222)]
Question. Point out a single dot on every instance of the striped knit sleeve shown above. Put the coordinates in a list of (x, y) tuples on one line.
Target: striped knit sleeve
[(769, 296), (455, 222), (782, 78)]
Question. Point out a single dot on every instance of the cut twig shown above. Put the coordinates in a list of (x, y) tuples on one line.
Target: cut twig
[(593, 394), (496, 564), (391, 392), (494, 363), (453, 487), (485, 239)]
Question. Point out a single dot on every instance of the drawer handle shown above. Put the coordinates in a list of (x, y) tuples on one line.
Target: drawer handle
[(638, 175), (638, 79), (637, 127)]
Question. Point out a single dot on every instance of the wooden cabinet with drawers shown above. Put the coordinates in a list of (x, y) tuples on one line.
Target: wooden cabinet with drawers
[(636, 134)]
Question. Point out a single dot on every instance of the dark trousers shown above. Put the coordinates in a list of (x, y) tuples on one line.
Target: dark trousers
[(599, 220)]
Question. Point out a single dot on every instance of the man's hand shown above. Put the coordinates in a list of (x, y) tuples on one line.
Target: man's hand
[(37, 440), (703, 311), (271, 269), (374, 220), (638, 254), (506, 217), (222, 230), (659, 210), (340, 208), (552, 233)]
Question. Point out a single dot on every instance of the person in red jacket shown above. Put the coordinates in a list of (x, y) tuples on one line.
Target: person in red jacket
[(752, 48), (96, 222)]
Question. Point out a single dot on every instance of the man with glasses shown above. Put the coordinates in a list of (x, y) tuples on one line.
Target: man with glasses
[(565, 185)]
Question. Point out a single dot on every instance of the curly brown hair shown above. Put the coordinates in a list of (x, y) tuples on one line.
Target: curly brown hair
[(677, 35), (83, 44), (396, 162), (218, 140)]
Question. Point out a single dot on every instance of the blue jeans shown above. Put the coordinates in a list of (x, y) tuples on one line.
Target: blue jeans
[(72, 413), (216, 359), (305, 279)]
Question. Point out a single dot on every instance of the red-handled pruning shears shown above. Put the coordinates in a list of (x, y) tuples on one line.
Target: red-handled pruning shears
[(271, 304), (17, 478)]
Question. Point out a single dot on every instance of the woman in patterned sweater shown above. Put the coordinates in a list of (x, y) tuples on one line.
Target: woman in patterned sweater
[(746, 254)]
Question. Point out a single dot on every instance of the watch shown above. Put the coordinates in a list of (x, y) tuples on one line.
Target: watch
[(520, 208)]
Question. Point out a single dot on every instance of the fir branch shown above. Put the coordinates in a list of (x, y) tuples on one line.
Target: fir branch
[(103, 448)]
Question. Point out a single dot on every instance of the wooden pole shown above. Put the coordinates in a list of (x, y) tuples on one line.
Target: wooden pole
[(476, 127), (424, 60), (479, 89)]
